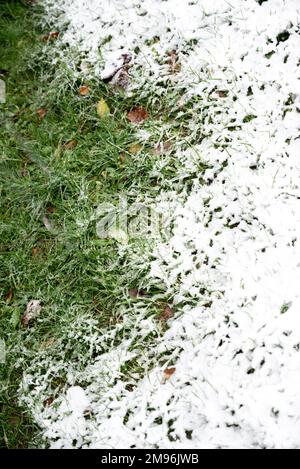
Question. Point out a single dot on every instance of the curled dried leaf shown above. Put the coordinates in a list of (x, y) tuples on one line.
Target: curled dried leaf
[(137, 115)]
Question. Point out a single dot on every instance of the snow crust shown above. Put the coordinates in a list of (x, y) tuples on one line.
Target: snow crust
[(232, 264)]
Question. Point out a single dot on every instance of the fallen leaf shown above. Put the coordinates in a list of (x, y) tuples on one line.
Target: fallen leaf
[(137, 115), (168, 372), (47, 224), (122, 158), (174, 64), (162, 147), (222, 93), (50, 36), (47, 343), (50, 209), (102, 108), (36, 252), (121, 79), (166, 314), (47, 402), (33, 309), (41, 113), (70, 145), (134, 293), (134, 148), (84, 90), (9, 295)]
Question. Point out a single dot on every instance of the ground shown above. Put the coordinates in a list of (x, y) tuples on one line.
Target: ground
[(149, 224)]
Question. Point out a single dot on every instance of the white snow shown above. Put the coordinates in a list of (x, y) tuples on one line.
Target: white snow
[(232, 264)]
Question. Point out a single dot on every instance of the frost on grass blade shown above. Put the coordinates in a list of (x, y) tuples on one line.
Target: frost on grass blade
[(221, 78)]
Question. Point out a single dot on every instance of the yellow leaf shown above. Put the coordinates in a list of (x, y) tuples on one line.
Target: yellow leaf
[(134, 148), (102, 108)]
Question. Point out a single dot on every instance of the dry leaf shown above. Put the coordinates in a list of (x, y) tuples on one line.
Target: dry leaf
[(47, 343), (36, 252), (122, 158), (102, 108), (174, 65), (222, 93), (47, 402), (120, 79), (84, 90), (9, 295), (70, 145), (137, 115), (166, 314), (50, 36), (41, 113), (50, 209), (168, 372), (134, 293), (47, 223), (33, 309), (162, 147), (134, 148)]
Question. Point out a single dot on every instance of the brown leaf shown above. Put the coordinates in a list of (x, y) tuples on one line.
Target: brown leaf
[(84, 90), (222, 93), (168, 372), (121, 79), (36, 252), (47, 402), (174, 65), (166, 314), (70, 145), (162, 147), (50, 209), (47, 343), (33, 309), (122, 158), (8, 296), (134, 293), (41, 113), (50, 36), (137, 115)]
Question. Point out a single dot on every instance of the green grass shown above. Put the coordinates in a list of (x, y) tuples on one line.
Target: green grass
[(65, 266), (49, 246)]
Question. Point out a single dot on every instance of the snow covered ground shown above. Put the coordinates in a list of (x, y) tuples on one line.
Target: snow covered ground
[(232, 264)]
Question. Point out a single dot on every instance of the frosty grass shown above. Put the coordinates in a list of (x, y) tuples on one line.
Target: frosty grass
[(232, 263)]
